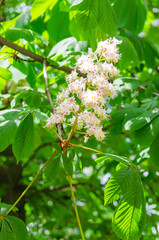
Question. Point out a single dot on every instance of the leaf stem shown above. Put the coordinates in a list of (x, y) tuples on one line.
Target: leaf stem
[(75, 207), (86, 148), (37, 175)]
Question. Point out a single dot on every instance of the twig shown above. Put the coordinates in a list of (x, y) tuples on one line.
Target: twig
[(59, 125), (47, 86), (32, 55), (144, 88), (37, 175), (75, 207)]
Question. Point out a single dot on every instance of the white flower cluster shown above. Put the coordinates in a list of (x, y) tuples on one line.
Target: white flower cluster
[(85, 98)]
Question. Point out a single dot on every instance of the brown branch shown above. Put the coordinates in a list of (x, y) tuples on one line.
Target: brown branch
[(144, 88), (32, 55)]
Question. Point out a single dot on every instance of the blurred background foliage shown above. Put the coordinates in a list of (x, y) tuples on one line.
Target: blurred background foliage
[(62, 30)]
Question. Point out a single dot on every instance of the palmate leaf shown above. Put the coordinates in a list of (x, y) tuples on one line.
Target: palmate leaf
[(91, 14), (13, 229), (86, 14), (23, 141), (107, 18), (117, 185), (129, 218)]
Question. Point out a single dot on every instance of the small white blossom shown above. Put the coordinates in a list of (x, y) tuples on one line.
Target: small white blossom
[(155, 110)]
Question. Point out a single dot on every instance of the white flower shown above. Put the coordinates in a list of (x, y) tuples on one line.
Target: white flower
[(72, 76), (85, 98), (63, 95), (92, 98), (77, 86), (53, 119), (155, 110), (97, 132), (86, 64), (67, 106)]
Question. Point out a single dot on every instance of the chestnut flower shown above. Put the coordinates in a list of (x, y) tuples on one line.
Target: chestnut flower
[(85, 97)]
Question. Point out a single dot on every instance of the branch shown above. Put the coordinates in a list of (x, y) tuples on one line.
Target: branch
[(47, 86), (154, 93), (59, 125), (32, 55), (25, 191)]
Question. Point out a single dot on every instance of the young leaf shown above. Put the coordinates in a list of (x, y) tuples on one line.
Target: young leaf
[(23, 141), (51, 170)]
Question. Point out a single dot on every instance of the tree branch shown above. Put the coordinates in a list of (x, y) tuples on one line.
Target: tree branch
[(154, 93), (47, 86), (32, 55), (59, 125)]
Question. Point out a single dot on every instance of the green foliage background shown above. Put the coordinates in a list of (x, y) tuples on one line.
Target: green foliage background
[(61, 30)]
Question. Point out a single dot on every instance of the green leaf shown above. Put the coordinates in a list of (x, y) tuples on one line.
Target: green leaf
[(140, 121), (86, 14), (146, 135), (8, 127), (57, 147), (56, 29), (117, 158), (9, 114), (18, 227), (5, 73), (14, 34), (24, 138), (117, 116), (130, 14), (107, 18), (51, 170), (6, 233), (67, 162), (40, 6), (129, 54), (117, 185), (154, 151), (129, 218), (5, 207)]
